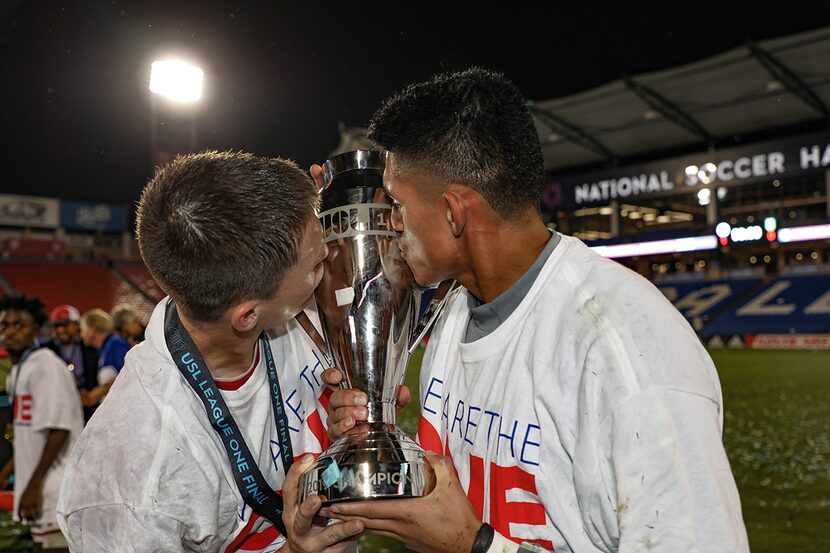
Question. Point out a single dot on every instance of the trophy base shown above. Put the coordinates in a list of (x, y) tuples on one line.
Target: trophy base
[(373, 461)]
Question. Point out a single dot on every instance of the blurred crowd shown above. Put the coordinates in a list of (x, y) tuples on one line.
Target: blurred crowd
[(55, 370)]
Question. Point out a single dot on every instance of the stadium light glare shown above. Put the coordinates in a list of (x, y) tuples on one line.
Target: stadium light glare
[(176, 80), (723, 229), (690, 244), (799, 234)]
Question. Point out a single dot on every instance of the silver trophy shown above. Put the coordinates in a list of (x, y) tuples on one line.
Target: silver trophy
[(368, 303)]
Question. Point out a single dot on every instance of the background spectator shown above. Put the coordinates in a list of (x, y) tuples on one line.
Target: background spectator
[(65, 324), (97, 331), (127, 324)]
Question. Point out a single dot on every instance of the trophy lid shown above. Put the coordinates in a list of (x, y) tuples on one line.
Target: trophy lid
[(352, 177)]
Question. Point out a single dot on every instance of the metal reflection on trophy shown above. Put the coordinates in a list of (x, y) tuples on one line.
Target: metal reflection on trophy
[(368, 303)]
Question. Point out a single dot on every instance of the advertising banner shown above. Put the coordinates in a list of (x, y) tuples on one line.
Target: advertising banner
[(758, 162), (86, 216), (29, 211)]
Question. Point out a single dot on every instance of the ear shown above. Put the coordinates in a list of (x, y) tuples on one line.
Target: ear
[(245, 316), (457, 208)]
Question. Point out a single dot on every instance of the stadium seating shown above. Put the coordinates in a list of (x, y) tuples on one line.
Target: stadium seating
[(33, 248), (81, 284), (138, 275), (788, 304), (701, 301)]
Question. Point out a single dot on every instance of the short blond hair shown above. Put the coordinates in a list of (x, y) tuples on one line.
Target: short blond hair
[(97, 320)]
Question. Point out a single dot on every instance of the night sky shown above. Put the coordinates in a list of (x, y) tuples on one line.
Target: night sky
[(75, 108)]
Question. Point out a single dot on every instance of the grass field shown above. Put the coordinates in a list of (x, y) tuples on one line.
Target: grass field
[(777, 436)]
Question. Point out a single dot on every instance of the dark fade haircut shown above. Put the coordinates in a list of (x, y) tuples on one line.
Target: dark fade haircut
[(33, 306), (472, 128), (219, 228)]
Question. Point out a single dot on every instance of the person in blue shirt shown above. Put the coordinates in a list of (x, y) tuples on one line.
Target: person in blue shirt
[(97, 332)]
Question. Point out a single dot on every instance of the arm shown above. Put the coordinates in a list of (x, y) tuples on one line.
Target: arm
[(674, 486), (96, 395), (5, 472), (32, 498), (118, 527)]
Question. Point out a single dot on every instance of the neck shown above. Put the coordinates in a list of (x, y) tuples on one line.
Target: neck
[(499, 253), (15, 356), (227, 352)]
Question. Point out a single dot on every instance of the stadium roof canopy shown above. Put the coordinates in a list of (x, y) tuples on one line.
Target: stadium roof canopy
[(773, 84), (716, 102)]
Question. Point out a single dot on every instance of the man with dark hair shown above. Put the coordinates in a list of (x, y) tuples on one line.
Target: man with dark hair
[(578, 407), (47, 420), (198, 435), (65, 324)]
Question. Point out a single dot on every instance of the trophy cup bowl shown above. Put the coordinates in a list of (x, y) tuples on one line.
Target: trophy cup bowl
[(368, 303)]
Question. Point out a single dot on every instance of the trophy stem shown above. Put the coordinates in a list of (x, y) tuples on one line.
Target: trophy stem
[(381, 412)]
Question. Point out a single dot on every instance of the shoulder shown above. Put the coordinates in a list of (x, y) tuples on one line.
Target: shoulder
[(45, 358), (587, 277), (128, 442)]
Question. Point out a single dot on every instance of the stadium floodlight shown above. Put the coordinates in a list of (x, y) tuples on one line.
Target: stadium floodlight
[(176, 80)]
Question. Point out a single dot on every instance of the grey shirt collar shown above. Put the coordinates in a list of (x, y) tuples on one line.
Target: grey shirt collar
[(486, 317)]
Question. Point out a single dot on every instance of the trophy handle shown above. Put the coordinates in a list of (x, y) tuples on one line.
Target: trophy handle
[(323, 343), (436, 305)]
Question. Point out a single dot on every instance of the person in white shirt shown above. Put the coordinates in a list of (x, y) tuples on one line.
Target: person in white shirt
[(195, 447), (47, 419), (577, 407)]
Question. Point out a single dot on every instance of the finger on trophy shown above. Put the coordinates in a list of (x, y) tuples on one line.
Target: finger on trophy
[(317, 174), (333, 377), (403, 397), (429, 475)]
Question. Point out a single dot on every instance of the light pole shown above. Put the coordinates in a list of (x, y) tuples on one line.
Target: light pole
[(177, 87)]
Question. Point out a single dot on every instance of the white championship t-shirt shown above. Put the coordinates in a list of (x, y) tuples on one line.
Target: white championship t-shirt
[(589, 420), (149, 472), (45, 398)]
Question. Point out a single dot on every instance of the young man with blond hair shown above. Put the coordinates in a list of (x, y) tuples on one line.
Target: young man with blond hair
[(97, 332)]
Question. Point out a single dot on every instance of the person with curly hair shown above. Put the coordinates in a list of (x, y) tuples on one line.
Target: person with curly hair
[(47, 419)]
